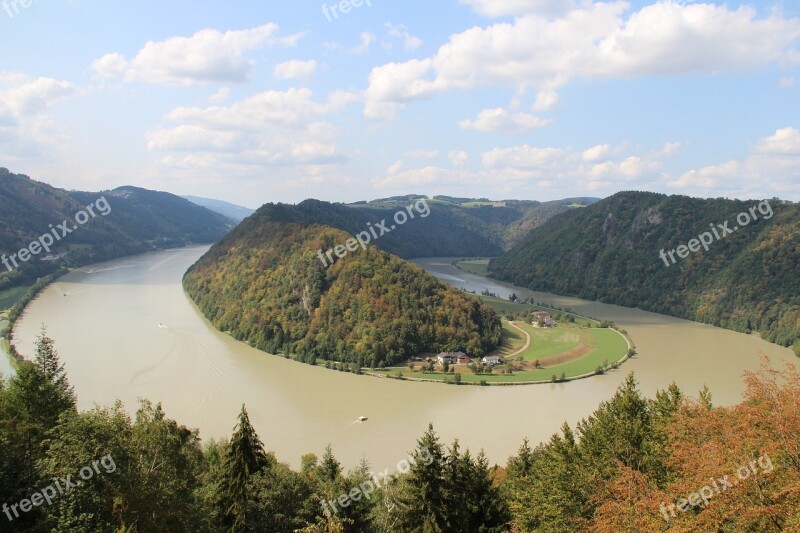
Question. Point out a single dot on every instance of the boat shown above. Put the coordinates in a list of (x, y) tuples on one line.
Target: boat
[(362, 418)]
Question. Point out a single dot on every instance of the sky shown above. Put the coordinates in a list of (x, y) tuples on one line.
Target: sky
[(265, 101)]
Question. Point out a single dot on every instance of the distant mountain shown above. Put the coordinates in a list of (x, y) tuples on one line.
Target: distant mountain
[(610, 251), (265, 284), (137, 221), (235, 212)]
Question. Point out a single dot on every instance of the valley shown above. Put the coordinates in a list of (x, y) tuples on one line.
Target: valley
[(107, 332)]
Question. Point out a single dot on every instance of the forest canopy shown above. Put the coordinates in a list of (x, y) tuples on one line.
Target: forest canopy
[(265, 284)]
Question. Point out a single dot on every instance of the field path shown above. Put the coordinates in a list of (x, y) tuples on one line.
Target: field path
[(527, 340)]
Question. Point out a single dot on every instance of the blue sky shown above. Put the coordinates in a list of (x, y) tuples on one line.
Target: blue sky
[(253, 102)]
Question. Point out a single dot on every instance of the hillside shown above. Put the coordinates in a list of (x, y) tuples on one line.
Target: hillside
[(748, 281), (461, 227), (264, 284), (132, 221)]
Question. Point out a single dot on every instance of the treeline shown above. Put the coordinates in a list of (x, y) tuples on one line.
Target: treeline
[(264, 284), (622, 469), (748, 281)]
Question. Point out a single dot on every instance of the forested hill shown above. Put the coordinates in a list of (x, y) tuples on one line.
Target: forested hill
[(265, 284), (139, 220), (454, 227), (747, 281)]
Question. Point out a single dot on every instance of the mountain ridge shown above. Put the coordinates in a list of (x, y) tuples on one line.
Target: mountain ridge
[(748, 281)]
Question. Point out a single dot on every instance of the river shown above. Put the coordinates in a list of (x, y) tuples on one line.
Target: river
[(126, 330)]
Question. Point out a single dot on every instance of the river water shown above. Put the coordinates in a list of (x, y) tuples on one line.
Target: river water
[(126, 330)]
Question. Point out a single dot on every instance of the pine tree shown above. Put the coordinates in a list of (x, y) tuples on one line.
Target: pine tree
[(522, 465), (425, 500), (48, 362), (330, 468), (246, 457)]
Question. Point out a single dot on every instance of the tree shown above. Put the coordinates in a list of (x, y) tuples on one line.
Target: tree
[(330, 469), (424, 501), (47, 360), (705, 398), (246, 457)]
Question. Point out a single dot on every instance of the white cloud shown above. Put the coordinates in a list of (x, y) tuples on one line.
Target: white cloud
[(410, 43), (291, 108), (394, 83), (26, 127), (594, 41), (522, 158), (269, 129), (458, 158), (786, 141), (546, 100), (629, 169), (598, 168), (773, 165), (207, 56), (671, 148), (33, 97), (503, 120), (220, 96), (295, 69), (499, 8), (786, 82), (400, 179), (596, 152)]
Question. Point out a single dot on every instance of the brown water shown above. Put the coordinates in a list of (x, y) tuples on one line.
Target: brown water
[(125, 330)]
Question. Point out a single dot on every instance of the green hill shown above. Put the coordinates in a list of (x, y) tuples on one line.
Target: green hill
[(748, 281), (451, 229), (264, 284), (139, 220)]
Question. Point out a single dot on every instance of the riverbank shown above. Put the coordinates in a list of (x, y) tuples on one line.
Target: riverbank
[(17, 310)]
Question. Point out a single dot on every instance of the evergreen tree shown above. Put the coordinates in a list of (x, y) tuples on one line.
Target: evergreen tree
[(521, 465), (246, 457), (330, 469), (49, 364), (424, 501)]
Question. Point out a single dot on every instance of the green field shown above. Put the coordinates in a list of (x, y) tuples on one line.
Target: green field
[(9, 297), (482, 204), (607, 347), (475, 266)]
